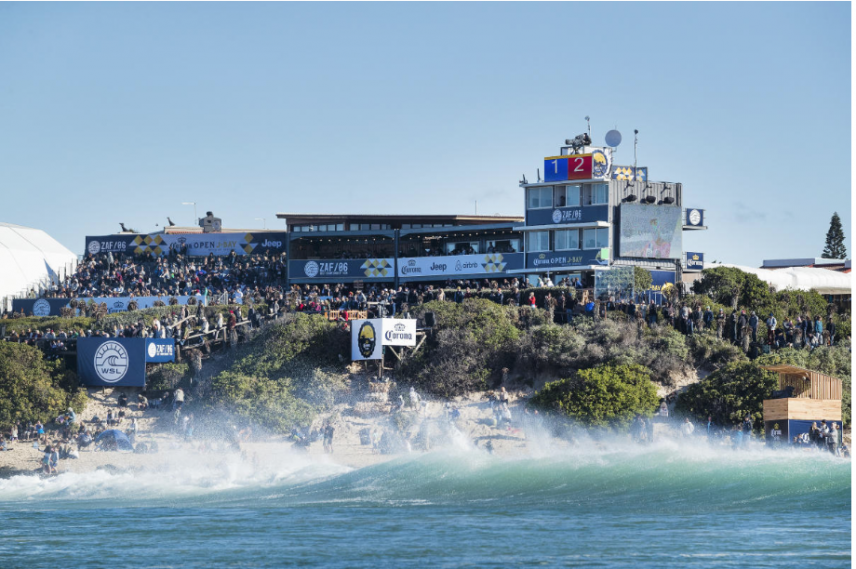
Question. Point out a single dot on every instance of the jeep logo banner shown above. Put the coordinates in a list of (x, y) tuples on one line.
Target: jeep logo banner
[(198, 244), (112, 361), (410, 268)]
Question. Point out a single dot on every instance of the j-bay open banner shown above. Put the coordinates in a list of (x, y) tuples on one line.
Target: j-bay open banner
[(198, 244)]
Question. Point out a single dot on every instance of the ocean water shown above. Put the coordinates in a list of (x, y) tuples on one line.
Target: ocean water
[(616, 506)]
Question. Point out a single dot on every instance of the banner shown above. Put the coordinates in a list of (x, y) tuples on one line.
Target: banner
[(112, 361), (120, 303), (52, 306), (39, 306), (695, 261), (490, 264), (365, 340), (160, 350), (567, 259), (198, 244), (369, 336), (561, 215), (365, 269)]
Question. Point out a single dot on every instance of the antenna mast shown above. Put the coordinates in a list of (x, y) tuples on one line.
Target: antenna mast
[(635, 144), (588, 122)]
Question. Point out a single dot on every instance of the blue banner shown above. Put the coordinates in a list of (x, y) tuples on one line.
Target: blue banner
[(695, 261), (562, 259), (660, 278), (160, 350), (363, 269), (561, 215), (112, 361), (39, 306)]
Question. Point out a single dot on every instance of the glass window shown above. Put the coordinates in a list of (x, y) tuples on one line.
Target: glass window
[(567, 239), (572, 195), (503, 246), (540, 197), (599, 194), (596, 238), (538, 241), (465, 248)]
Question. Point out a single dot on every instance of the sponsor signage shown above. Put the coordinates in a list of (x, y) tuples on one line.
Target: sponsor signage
[(39, 306), (695, 217), (160, 350), (198, 244), (366, 269), (630, 173), (595, 165), (365, 340), (659, 279), (559, 259), (399, 331), (563, 215), (369, 336), (695, 261), (52, 306), (458, 265), (112, 361)]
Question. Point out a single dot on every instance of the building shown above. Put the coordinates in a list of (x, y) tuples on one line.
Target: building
[(842, 265), (588, 217), (396, 249)]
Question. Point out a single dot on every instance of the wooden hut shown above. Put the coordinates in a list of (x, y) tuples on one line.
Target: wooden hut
[(803, 397)]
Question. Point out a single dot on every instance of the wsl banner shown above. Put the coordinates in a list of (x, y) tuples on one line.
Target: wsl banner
[(112, 361), (198, 244), (52, 306)]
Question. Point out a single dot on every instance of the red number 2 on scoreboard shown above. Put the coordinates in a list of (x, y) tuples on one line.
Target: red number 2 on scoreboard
[(579, 162)]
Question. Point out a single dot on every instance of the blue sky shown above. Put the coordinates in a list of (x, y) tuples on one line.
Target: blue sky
[(120, 112)]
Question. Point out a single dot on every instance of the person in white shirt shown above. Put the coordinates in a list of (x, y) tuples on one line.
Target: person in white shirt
[(687, 427)]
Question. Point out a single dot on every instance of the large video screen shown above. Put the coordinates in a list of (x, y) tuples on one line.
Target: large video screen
[(650, 231)]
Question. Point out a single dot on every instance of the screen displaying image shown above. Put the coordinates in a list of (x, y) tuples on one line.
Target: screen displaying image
[(650, 231)]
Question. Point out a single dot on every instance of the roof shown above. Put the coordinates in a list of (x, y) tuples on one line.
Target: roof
[(29, 256), (801, 262), (318, 217), (823, 281), (177, 230)]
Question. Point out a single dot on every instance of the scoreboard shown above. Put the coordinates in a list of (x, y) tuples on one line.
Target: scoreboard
[(577, 166)]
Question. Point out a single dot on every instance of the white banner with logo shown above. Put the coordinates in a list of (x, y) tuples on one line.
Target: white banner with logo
[(369, 336), (454, 265), (120, 303)]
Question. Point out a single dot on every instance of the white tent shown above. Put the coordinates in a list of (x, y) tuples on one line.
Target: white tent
[(824, 281), (29, 258)]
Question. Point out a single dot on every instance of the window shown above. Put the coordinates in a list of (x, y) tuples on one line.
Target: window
[(503, 246), (596, 238), (538, 241), (465, 248), (599, 194), (567, 239), (540, 197), (567, 196), (371, 226)]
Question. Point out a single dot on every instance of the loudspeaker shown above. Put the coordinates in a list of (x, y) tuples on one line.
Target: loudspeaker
[(429, 320)]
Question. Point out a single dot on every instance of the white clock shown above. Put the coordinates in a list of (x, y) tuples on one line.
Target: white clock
[(695, 217)]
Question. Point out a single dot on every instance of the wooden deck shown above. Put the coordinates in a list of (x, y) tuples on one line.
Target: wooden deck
[(802, 409), (807, 384)]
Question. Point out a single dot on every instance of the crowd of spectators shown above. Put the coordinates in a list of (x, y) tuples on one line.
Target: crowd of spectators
[(175, 274)]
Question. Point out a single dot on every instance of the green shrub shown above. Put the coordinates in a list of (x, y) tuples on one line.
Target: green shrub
[(603, 396), (263, 401), (166, 376), (730, 394), (32, 387)]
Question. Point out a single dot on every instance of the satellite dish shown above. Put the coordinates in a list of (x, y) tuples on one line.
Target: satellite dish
[(613, 138)]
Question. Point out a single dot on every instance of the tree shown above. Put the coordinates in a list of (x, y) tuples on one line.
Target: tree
[(737, 390), (732, 287), (835, 248), (605, 395), (32, 387), (642, 279)]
